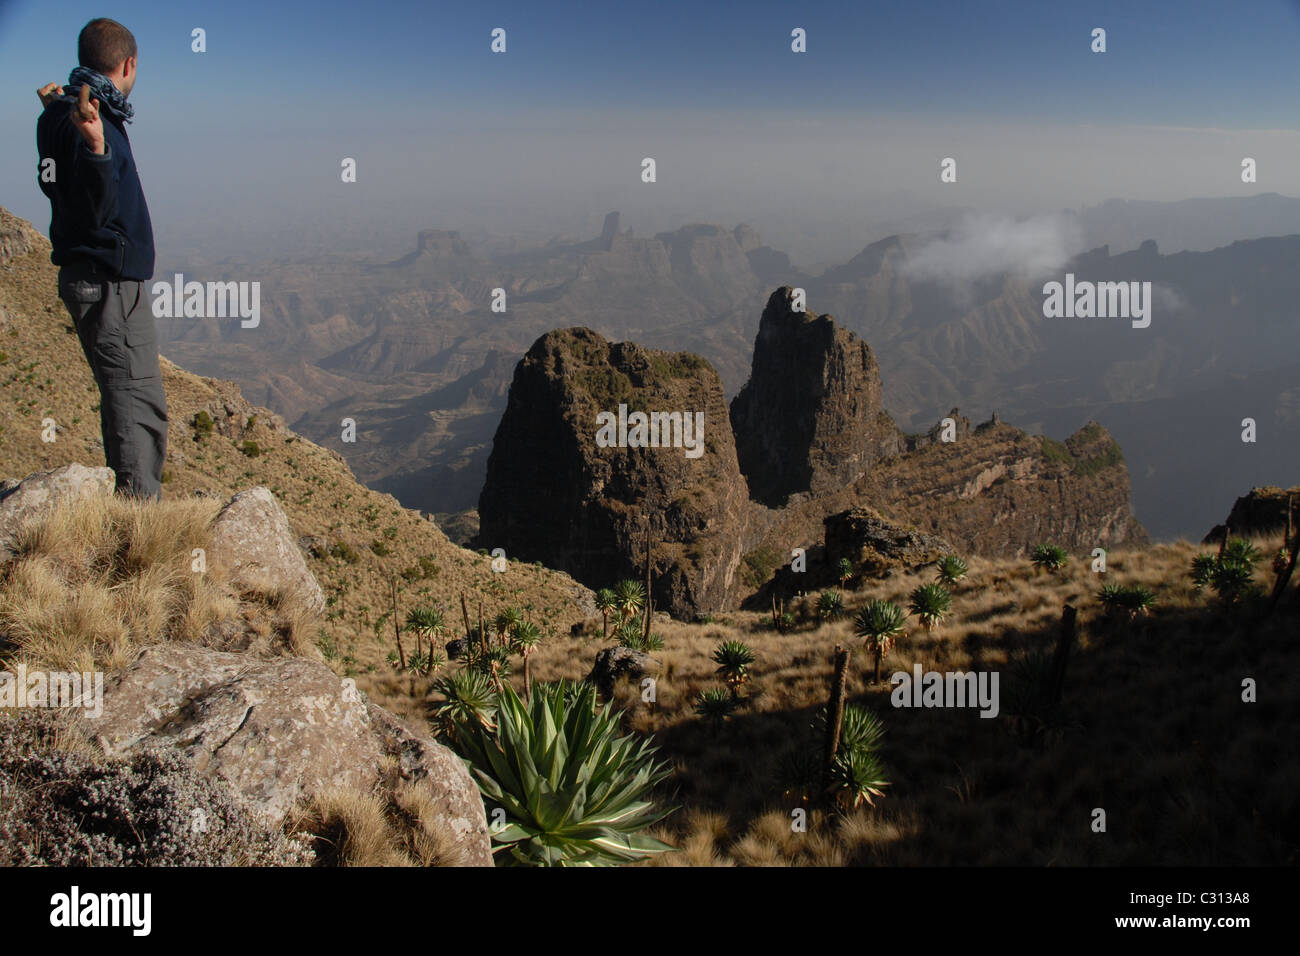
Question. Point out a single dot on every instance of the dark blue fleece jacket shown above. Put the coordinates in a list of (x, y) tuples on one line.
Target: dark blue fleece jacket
[(97, 204)]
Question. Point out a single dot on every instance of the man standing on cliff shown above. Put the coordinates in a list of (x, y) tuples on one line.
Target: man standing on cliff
[(103, 242)]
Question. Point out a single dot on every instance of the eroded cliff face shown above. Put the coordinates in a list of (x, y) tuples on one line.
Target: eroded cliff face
[(1000, 491), (571, 481), (810, 418), (995, 490), (811, 435)]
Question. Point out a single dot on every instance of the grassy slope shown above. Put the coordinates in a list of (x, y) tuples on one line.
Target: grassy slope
[(43, 373)]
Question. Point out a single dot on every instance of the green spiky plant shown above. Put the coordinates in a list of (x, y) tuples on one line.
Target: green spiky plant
[(1110, 597), (494, 664), (1241, 551), (1049, 557), (881, 623), (1137, 600), (830, 605), (733, 659), (468, 699), (524, 639), (843, 571), (1234, 581), (858, 776), (606, 604), (1202, 570), (1127, 601), (931, 603), (508, 621), (630, 597), (860, 729), (574, 792), (428, 623), (856, 772), (950, 570), (715, 704), (630, 634)]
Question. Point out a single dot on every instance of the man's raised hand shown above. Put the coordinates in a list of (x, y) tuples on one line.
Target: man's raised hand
[(85, 117), (49, 93)]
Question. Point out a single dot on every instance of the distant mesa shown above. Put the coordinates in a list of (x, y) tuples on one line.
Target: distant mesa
[(441, 242), (435, 244)]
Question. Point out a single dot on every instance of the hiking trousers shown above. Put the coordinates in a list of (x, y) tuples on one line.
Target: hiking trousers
[(118, 336)]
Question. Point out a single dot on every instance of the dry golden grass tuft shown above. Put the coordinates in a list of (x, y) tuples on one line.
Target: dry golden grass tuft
[(96, 580), (397, 826)]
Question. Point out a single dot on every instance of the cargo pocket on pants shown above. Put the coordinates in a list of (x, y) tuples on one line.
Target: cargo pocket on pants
[(141, 342)]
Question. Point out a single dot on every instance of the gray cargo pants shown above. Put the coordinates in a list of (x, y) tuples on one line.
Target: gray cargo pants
[(117, 333)]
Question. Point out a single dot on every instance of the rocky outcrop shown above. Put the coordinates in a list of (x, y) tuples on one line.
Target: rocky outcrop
[(554, 494), (810, 419), (252, 540), (279, 732), (1001, 491), (34, 496), (614, 664), (1261, 512), (875, 545), (15, 237)]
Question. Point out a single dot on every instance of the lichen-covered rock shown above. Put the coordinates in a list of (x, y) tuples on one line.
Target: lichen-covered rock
[(278, 732), (252, 539)]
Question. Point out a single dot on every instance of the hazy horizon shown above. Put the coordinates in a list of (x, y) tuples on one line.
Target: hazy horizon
[(240, 147)]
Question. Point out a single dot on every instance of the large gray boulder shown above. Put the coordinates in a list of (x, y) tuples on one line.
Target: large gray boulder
[(876, 545), (252, 540), (279, 732)]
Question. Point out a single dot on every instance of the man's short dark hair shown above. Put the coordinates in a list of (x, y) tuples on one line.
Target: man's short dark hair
[(103, 45)]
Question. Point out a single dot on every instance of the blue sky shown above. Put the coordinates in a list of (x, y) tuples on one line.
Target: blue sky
[(1189, 62), (252, 130)]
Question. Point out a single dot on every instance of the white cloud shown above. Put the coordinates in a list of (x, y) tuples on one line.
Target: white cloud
[(987, 244)]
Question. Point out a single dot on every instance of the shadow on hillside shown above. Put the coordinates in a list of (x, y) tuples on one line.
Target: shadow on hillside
[(1152, 729)]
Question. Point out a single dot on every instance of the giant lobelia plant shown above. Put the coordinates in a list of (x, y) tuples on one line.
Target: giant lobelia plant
[(572, 790)]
